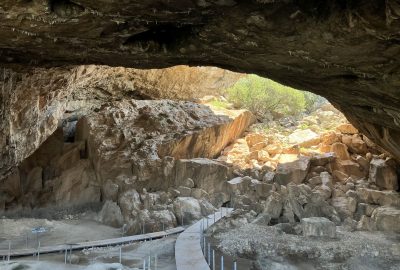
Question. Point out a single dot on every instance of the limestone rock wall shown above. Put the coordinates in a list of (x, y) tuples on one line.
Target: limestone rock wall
[(130, 141), (116, 150), (36, 102)]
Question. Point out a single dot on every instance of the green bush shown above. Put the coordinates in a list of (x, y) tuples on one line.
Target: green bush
[(262, 96)]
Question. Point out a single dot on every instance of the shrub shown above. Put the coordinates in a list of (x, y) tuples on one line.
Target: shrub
[(262, 96)]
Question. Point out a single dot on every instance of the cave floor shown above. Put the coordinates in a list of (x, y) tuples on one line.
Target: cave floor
[(133, 255), (58, 232)]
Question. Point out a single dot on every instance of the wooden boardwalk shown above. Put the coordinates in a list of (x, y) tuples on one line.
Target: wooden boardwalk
[(90, 244), (188, 253)]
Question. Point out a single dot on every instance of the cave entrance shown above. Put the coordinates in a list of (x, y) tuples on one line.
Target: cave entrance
[(137, 149)]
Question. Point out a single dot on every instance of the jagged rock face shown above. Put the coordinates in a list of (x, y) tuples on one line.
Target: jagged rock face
[(36, 102), (345, 51), (128, 140), (126, 145)]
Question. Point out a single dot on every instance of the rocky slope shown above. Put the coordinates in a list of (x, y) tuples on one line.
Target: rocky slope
[(343, 50)]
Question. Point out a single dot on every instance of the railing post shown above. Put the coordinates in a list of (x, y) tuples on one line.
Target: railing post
[(234, 265), (144, 264), (213, 259), (70, 254), (120, 254), (38, 252), (182, 216), (204, 246), (222, 262), (209, 253), (9, 250)]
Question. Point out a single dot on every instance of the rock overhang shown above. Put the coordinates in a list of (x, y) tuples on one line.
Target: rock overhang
[(346, 52)]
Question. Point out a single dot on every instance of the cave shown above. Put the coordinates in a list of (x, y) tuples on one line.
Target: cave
[(111, 116)]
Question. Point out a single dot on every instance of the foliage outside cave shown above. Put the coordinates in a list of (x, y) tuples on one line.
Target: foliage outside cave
[(265, 97)]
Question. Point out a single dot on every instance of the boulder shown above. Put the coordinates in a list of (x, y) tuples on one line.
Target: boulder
[(130, 201), (383, 175), (386, 218), (363, 162), (347, 129), (263, 156), (295, 171), (206, 207), (340, 151), (206, 174), (355, 144), (318, 227), (255, 138), (187, 209), (350, 168), (268, 177), (345, 206), (365, 224), (111, 214), (314, 181), (304, 138), (258, 146), (274, 149), (323, 159), (273, 206), (329, 138), (340, 176), (239, 184), (383, 198), (324, 191)]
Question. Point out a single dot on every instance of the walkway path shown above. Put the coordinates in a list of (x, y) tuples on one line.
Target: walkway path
[(89, 244), (188, 253)]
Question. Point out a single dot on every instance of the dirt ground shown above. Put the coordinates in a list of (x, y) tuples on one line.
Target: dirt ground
[(160, 252), (58, 232)]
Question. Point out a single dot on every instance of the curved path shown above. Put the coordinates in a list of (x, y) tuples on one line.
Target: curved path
[(89, 244), (188, 253)]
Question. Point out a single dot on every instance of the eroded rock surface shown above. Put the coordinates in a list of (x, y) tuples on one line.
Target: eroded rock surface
[(36, 102), (127, 145)]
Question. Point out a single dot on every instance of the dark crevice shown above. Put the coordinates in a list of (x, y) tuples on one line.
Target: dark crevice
[(164, 36), (65, 8)]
